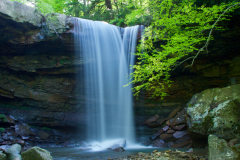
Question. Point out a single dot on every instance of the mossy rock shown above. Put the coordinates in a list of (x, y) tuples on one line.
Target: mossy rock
[(36, 153), (219, 149), (216, 111)]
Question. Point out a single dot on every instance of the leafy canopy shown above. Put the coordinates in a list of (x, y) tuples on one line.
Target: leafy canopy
[(179, 26)]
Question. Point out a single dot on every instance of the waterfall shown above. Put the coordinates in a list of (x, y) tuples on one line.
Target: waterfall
[(106, 52)]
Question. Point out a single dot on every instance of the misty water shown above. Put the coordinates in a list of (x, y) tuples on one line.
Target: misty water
[(107, 53)]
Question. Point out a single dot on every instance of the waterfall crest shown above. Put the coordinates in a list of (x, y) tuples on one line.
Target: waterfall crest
[(106, 52)]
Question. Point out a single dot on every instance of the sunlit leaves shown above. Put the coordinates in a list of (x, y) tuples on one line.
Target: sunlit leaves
[(179, 30)]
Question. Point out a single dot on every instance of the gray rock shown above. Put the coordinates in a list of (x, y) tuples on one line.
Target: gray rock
[(36, 153), (219, 150), (3, 156), (14, 152), (43, 135), (19, 12), (215, 111)]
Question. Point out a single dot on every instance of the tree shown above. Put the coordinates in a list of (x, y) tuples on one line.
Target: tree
[(179, 26)]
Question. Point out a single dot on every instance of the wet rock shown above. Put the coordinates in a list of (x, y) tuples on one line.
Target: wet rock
[(43, 135), (152, 119), (165, 128), (180, 127), (170, 131), (232, 142), (179, 134), (154, 136), (119, 149), (5, 142), (167, 137), (119, 143), (14, 152), (36, 153), (157, 123), (184, 138), (219, 149), (169, 144), (5, 137), (21, 142), (181, 145), (174, 112), (57, 133), (179, 118), (159, 143), (23, 131), (3, 156), (9, 119)]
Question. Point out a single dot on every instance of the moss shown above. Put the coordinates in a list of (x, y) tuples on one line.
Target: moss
[(46, 128), (2, 116), (2, 129)]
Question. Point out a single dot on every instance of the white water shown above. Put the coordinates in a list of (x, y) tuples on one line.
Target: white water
[(106, 56)]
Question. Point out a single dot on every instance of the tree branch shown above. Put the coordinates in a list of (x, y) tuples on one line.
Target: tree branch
[(209, 36)]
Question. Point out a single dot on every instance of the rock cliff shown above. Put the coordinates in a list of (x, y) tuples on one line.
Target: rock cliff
[(38, 84)]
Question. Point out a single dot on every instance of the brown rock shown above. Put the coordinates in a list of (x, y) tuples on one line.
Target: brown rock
[(180, 145), (232, 142), (154, 136), (179, 134), (9, 119), (159, 143), (157, 123), (171, 131), (179, 118), (165, 128), (43, 135), (180, 127), (152, 119), (119, 149), (174, 112), (184, 138), (166, 137), (23, 131)]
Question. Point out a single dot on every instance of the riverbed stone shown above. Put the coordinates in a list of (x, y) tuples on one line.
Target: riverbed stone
[(36, 153), (14, 152), (215, 111), (3, 156), (219, 149)]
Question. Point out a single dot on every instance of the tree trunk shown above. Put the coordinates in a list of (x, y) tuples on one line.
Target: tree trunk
[(108, 4)]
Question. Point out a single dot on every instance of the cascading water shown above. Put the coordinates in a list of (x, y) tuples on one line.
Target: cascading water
[(107, 56)]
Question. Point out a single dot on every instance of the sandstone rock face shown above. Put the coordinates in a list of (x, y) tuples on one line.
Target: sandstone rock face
[(36, 153), (37, 68), (219, 150), (215, 111)]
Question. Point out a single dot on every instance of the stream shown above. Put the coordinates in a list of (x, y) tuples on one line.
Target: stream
[(76, 153)]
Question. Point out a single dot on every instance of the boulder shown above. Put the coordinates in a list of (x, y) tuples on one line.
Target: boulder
[(3, 156), (219, 149), (14, 152), (215, 111), (36, 153)]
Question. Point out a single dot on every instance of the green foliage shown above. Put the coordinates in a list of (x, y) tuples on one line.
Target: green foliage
[(2, 116), (179, 28), (46, 128), (2, 129)]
